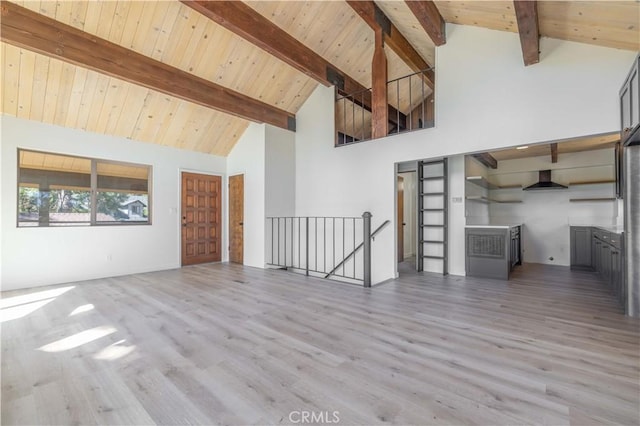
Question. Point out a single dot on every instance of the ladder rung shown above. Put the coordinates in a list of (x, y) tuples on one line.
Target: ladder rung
[(433, 257), (432, 226), (432, 241), (432, 193)]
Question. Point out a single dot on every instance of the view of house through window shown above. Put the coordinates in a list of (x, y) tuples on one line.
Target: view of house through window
[(61, 190)]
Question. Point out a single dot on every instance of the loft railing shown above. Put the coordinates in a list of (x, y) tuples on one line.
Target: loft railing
[(410, 102), (328, 247)]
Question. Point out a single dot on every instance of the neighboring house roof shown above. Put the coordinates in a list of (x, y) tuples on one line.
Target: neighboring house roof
[(135, 199)]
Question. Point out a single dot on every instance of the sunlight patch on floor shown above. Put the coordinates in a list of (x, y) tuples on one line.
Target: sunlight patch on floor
[(7, 302), (114, 351), (78, 339), (20, 311), (80, 309)]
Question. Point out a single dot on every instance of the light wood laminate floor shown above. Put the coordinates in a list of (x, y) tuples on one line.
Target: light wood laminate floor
[(226, 344)]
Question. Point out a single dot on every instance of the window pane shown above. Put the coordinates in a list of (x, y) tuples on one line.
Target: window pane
[(122, 207), (123, 193), (53, 190)]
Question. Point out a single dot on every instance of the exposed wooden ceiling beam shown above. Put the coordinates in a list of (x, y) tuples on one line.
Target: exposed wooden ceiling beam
[(554, 152), (376, 19), (527, 17), (30, 30), (380, 113), (429, 17), (486, 159), (245, 22)]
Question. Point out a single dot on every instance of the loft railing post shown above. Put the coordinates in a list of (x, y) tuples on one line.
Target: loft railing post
[(307, 246), (366, 216)]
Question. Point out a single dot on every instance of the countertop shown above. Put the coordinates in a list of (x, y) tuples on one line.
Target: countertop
[(609, 228)]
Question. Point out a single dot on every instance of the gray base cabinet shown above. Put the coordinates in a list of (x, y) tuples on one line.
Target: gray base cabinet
[(581, 248), (601, 251), (492, 252)]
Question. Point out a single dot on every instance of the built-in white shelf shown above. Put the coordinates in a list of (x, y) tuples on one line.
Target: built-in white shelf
[(593, 182), (590, 200), (487, 200), (481, 181), (484, 183)]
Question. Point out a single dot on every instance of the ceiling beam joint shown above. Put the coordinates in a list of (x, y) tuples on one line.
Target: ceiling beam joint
[(245, 22), (486, 159), (26, 29), (527, 18), (429, 17), (554, 152), (394, 39)]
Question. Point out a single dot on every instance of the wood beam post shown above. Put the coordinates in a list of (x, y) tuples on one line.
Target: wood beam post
[(26, 29), (393, 38), (527, 17), (429, 17), (242, 20), (380, 112), (554, 152)]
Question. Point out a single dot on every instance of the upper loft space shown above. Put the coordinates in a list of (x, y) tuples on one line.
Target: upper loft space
[(193, 74)]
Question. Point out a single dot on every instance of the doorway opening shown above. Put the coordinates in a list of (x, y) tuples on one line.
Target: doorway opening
[(406, 213), (422, 216)]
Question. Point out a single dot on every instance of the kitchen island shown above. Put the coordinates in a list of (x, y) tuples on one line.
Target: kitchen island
[(492, 251)]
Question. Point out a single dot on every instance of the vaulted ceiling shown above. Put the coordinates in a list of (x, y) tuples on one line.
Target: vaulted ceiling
[(51, 90)]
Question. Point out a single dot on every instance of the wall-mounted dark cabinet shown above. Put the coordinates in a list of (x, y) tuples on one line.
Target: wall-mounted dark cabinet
[(630, 107)]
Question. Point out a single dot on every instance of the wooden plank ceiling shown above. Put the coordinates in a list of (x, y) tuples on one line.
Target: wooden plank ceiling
[(565, 146), (40, 88)]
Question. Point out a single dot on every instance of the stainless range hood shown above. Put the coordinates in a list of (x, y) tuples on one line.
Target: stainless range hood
[(544, 182)]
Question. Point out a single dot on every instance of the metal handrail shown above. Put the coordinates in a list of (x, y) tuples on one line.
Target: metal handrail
[(373, 235), (351, 122), (315, 244)]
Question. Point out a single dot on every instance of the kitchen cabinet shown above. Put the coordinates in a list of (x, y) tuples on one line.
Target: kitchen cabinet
[(600, 250), (492, 251), (516, 245), (581, 247), (630, 107)]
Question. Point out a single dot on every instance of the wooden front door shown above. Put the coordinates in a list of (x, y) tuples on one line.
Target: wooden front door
[(201, 218), (400, 219), (236, 218)]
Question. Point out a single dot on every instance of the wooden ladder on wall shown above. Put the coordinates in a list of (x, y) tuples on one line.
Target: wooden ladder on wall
[(432, 215)]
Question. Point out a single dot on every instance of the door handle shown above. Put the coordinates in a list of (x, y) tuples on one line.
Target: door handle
[(241, 223)]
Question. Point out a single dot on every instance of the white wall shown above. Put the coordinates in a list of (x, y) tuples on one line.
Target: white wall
[(265, 155), (485, 99), (547, 215), (41, 256), (248, 158), (280, 172)]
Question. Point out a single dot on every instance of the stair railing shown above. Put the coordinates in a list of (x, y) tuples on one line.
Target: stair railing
[(329, 247)]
